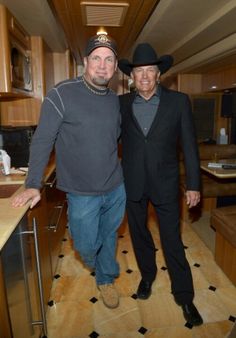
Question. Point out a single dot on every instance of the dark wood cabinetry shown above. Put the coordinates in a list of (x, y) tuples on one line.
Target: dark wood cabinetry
[(51, 217), (40, 213), (28, 263), (10, 30), (57, 213), (5, 327), (26, 112), (22, 107), (22, 283)]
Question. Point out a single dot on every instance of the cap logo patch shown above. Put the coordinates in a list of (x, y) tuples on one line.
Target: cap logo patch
[(103, 38)]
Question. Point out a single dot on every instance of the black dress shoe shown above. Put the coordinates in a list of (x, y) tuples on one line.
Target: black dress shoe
[(144, 289), (191, 314)]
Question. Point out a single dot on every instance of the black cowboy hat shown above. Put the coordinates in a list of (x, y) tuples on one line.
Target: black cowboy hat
[(145, 55)]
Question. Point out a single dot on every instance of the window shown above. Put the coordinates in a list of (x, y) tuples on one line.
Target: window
[(204, 114)]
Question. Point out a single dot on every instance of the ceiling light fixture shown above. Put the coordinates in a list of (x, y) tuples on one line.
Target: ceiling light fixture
[(101, 31)]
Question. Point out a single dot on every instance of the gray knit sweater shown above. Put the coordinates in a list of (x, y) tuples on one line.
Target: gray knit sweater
[(84, 127)]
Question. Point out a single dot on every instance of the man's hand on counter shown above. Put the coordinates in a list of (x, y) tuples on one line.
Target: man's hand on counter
[(28, 195)]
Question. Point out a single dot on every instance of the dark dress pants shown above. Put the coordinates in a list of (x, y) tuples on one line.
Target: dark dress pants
[(172, 246)]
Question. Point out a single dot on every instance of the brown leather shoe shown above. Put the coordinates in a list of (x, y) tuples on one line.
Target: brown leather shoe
[(109, 295)]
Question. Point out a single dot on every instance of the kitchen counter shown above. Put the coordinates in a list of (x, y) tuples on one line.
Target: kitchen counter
[(9, 216)]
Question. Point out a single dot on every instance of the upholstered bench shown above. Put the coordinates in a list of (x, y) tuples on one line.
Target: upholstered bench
[(211, 187), (224, 221)]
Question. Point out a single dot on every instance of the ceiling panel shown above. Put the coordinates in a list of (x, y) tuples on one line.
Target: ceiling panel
[(129, 17), (215, 31), (200, 34), (186, 28)]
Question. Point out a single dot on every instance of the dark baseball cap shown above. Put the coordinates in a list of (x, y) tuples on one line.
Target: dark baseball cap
[(101, 40)]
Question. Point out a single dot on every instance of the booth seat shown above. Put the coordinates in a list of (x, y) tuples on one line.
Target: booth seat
[(211, 187), (224, 221)]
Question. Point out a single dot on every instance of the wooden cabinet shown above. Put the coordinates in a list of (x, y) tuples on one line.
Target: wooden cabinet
[(18, 108), (64, 66), (43, 69), (26, 112), (190, 83), (57, 227), (57, 213), (21, 284), (40, 213), (219, 80), (5, 326), (208, 82), (5, 66), (50, 215), (51, 218), (10, 30)]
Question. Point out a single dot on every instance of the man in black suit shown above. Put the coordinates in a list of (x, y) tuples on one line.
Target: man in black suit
[(155, 121)]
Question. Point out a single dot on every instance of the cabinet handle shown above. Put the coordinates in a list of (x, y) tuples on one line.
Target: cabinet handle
[(39, 275), (52, 183), (39, 279), (54, 225), (26, 282)]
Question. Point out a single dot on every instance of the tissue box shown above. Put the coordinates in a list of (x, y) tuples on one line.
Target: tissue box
[(222, 139), (5, 162)]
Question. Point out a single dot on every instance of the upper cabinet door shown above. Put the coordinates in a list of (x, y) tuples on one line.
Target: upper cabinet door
[(15, 58)]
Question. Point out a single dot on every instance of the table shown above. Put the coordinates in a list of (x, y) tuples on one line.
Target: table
[(219, 172)]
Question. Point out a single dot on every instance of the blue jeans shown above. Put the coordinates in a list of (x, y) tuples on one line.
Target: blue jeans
[(93, 223)]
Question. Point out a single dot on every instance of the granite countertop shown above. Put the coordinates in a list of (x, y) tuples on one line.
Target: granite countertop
[(9, 216)]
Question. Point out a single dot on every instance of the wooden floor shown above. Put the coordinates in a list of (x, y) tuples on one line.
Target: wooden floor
[(77, 311)]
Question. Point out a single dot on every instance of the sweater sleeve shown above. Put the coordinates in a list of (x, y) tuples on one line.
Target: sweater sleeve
[(44, 138)]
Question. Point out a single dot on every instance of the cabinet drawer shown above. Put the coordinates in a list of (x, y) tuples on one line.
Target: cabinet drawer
[(57, 227)]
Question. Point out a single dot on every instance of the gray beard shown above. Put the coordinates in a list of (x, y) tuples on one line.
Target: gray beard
[(100, 81)]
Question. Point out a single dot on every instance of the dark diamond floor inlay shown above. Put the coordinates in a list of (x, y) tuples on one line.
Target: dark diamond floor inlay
[(142, 330), (93, 300), (134, 296), (94, 335), (232, 318), (93, 319)]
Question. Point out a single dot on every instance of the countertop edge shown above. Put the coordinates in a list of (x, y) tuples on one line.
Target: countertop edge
[(11, 216)]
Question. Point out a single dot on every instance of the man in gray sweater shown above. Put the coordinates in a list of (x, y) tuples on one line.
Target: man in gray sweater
[(81, 118)]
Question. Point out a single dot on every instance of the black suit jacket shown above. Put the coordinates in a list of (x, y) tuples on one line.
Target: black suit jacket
[(150, 163)]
